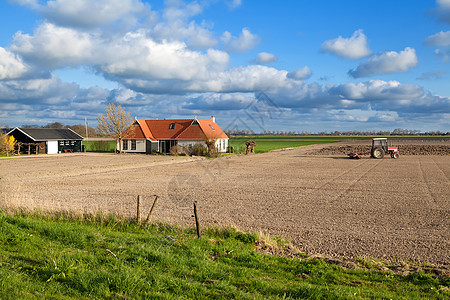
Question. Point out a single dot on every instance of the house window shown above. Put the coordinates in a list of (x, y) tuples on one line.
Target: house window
[(172, 126), (125, 145), (67, 143), (211, 127), (61, 143), (133, 144)]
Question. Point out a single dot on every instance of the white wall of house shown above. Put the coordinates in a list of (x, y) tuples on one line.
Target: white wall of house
[(192, 143), (222, 145), (132, 145), (52, 147)]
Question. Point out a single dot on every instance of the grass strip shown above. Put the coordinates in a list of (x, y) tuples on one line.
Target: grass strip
[(70, 258)]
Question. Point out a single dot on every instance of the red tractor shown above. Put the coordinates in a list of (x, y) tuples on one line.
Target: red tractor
[(379, 149)]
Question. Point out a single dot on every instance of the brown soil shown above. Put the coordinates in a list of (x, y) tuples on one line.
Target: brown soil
[(393, 210), (405, 147)]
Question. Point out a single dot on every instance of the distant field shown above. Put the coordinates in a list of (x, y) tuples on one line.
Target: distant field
[(269, 143)]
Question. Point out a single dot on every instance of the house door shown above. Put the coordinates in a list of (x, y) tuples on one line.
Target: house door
[(165, 145)]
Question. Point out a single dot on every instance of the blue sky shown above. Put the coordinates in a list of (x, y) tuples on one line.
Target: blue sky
[(321, 65)]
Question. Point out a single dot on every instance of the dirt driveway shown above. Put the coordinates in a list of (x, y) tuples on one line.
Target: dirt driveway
[(388, 209)]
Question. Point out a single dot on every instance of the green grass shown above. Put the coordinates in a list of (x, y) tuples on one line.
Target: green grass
[(100, 146), (62, 259), (269, 143)]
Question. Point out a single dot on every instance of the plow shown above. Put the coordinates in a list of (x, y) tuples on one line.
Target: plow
[(379, 149)]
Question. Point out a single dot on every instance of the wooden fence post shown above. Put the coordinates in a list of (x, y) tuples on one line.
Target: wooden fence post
[(138, 210), (197, 223), (147, 221)]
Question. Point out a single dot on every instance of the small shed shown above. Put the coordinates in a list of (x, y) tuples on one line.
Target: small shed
[(47, 140)]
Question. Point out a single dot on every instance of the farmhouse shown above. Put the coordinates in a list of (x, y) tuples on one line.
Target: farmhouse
[(149, 136), (47, 140)]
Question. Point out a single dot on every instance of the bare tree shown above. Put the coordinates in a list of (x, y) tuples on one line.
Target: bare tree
[(54, 125), (115, 123), (81, 129)]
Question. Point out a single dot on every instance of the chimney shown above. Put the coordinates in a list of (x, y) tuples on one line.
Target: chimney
[(213, 119)]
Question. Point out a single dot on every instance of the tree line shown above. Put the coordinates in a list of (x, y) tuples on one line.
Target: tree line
[(397, 131)]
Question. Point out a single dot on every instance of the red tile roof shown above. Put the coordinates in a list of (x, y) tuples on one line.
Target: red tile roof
[(187, 129)]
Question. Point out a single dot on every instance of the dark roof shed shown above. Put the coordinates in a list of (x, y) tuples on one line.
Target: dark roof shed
[(48, 134)]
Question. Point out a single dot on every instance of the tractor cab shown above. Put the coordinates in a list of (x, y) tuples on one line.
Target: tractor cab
[(380, 148), (380, 143)]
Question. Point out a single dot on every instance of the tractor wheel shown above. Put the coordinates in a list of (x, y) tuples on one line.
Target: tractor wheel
[(395, 155), (378, 153)]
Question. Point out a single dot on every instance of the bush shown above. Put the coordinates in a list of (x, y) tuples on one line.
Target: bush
[(177, 150), (198, 150)]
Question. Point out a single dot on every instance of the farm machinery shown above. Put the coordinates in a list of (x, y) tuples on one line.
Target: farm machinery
[(379, 149)]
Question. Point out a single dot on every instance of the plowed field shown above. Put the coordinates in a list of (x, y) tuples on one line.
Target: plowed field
[(326, 204)]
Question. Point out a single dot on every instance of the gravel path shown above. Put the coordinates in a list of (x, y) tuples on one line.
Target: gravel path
[(387, 209)]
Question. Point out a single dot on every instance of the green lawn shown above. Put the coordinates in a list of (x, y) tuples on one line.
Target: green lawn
[(46, 258), (100, 146), (268, 143)]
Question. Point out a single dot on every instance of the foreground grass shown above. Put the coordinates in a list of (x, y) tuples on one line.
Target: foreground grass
[(61, 259)]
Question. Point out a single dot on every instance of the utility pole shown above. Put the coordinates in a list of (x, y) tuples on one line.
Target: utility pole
[(87, 135)]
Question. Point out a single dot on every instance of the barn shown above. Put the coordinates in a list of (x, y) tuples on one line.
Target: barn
[(149, 136), (47, 140)]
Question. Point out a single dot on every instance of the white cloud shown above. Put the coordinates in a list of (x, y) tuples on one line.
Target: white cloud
[(197, 37), (11, 65), (300, 74), (439, 39), (432, 75), (234, 3), (55, 46), (265, 58), (444, 54), (246, 41), (176, 26), (238, 79), (31, 3), (226, 37), (133, 55), (354, 47), (213, 101), (88, 14), (386, 62), (378, 95), (47, 91), (443, 11), (178, 10), (139, 57)]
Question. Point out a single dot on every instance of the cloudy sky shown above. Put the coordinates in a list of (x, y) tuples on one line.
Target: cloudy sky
[(298, 65)]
